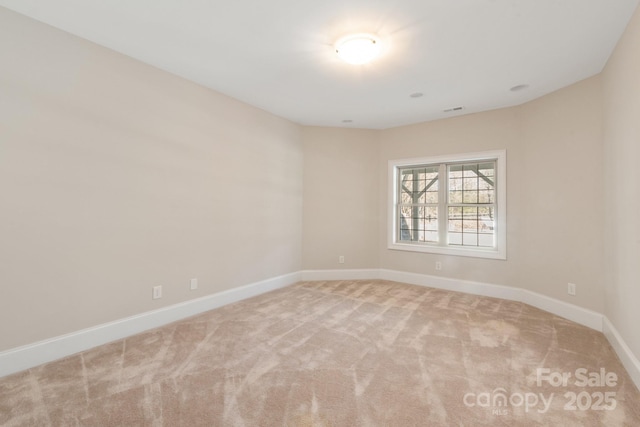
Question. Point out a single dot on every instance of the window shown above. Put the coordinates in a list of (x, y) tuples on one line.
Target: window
[(449, 204)]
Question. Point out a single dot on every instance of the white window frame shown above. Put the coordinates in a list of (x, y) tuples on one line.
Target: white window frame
[(500, 228)]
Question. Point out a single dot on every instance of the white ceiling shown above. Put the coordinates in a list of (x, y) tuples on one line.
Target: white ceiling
[(277, 55)]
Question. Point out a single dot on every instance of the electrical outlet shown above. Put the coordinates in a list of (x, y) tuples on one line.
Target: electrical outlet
[(438, 265), (341, 259), (571, 289), (194, 284), (157, 292)]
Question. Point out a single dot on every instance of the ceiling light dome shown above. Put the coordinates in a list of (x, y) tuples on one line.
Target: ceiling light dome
[(358, 48)]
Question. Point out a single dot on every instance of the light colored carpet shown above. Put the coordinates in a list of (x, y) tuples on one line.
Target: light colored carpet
[(344, 353)]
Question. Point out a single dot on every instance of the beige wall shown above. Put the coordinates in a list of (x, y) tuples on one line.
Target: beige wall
[(340, 198), (554, 180), (116, 176), (554, 175), (560, 231), (476, 132), (621, 83)]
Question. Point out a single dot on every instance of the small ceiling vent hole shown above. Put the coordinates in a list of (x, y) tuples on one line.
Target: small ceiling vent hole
[(449, 110)]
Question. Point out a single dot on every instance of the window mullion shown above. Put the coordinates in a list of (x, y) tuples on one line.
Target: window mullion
[(442, 205)]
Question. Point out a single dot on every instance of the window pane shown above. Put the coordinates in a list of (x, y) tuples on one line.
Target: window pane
[(485, 196), (455, 238), (455, 197), (418, 223), (455, 184), (469, 239), (487, 169), (405, 198), (485, 240), (486, 220), (431, 196), (469, 171), (419, 185), (407, 184), (471, 226), (471, 183), (455, 171), (455, 219), (432, 236), (469, 219), (469, 196)]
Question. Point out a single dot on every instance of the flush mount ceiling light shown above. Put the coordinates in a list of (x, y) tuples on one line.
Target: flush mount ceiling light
[(358, 48)]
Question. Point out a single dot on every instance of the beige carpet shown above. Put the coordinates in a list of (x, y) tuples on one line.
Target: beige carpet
[(349, 353)]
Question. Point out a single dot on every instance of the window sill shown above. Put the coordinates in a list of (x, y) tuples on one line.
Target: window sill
[(441, 250)]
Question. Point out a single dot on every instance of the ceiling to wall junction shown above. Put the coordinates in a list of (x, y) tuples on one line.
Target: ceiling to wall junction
[(279, 56)]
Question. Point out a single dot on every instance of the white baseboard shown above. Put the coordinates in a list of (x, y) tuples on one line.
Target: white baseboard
[(28, 356), (25, 357), (572, 312), (363, 274), (580, 315), (628, 359), (475, 288)]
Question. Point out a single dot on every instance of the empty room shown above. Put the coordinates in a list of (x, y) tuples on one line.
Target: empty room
[(339, 213)]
